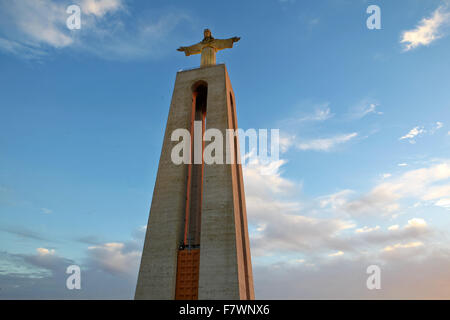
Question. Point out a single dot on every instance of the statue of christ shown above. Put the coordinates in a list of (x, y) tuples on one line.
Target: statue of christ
[(208, 48)]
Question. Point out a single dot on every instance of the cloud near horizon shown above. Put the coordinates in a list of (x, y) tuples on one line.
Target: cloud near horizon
[(294, 240), (109, 271), (312, 242)]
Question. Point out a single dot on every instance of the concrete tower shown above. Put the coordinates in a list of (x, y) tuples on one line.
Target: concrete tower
[(197, 244)]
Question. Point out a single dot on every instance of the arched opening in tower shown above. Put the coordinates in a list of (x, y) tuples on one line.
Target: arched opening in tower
[(188, 263), (195, 176)]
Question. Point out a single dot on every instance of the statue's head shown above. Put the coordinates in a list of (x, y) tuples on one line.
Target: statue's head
[(207, 33)]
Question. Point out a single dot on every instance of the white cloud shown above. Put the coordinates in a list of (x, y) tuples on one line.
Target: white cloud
[(403, 246), (436, 192), (420, 130), (279, 222), (33, 29), (336, 254), (367, 229), (416, 223), (303, 239), (364, 108), (265, 179), (427, 31), (371, 108), (335, 200), (44, 251), (46, 211), (24, 50), (416, 229), (379, 200), (321, 114), (413, 133), (386, 175), (101, 7), (326, 144), (416, 184), (402, 164), (444, 203), (438, 125), (286, 142), (291, 234), (115, 257), (42, 276), (345, 278), (33, 24), (286, 227), (298, 260)]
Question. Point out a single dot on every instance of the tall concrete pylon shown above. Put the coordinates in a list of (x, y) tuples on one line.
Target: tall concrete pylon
[(197, 244)]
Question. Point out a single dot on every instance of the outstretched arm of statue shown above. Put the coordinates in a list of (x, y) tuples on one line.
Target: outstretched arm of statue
[(194, 49), (220, 44)]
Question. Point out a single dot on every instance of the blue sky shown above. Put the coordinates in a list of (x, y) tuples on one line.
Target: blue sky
[(363, 116)]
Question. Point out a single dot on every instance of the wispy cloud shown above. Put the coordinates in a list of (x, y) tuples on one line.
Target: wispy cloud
[(108, 272), (24, 233), (412, 134), (438, 125), (444, 203), (428, 30), (363, 108), (419, 131), (45, 251), (46, 211), (277, 216), (41, 275), (335, 200), (321, 113), (316, 112), (336, 254), (415, 229), (424, 184), (432, 265), (115, 257), (291, 240), (367, 229), (403, 246), (34, 29), (100, 8), (326, 144), (301, 238), (31, 26)]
